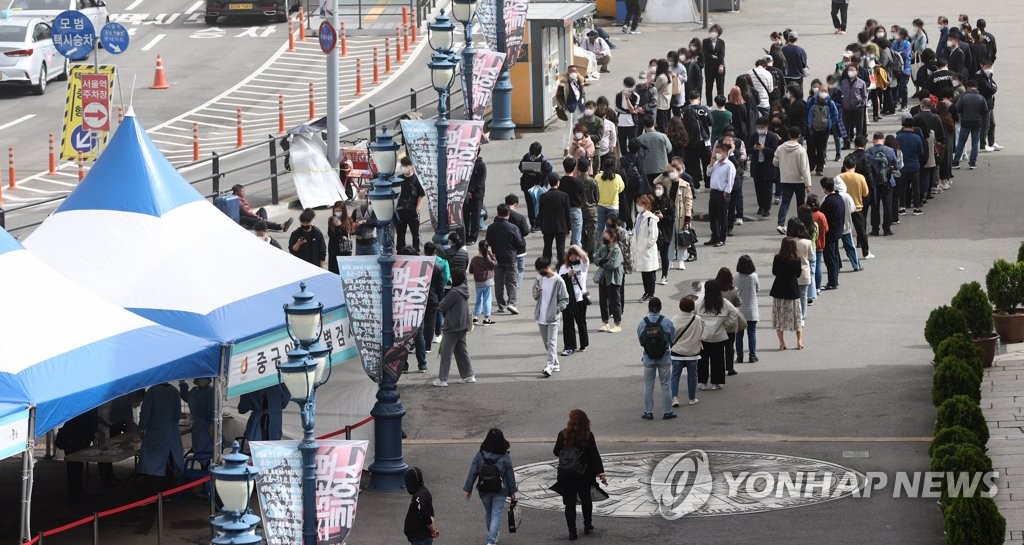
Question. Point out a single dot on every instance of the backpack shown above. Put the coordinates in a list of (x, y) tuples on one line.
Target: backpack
[(697, 121), (819, 118), (653, 339), (896, 62), (489, 477), (570, 460), (881, 168), (881, 78)]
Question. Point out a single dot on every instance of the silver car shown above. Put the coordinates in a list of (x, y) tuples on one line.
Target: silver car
[(27, 54)]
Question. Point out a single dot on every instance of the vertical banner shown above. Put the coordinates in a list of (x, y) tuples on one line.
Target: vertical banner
[(361, 284), (514, 12), (420, 138), (339, 467), (486, 67)]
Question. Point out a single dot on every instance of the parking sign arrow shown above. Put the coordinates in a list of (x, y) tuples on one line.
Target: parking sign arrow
[(82, 140)]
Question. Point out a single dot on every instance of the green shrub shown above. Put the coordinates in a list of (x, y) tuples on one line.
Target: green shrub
[(961, 410), (961, 346), (954, 376), (973, 303), (961, 458), (974, 521), (943, 322), (1005, 285), (956, 435), (1020, 253)]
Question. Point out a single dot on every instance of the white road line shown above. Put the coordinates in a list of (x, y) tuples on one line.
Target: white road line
[(133, 5), (16, 121), (152, 42), (192, 8)]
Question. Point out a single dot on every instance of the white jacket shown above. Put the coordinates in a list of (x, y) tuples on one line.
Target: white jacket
[(716, 326), (686, 344), (644, 248)]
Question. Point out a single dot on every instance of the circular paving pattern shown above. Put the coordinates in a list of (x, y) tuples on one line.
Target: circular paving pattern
[(695, 483)]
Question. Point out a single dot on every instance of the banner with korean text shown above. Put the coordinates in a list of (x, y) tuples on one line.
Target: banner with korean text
[(339, 467), (486, 67), (463, 146), (514, 13), (361, 283)]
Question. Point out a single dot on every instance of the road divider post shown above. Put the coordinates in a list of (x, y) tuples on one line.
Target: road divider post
[(359, 77), (120, 115), (387, 55), (312, 102), (81, 166), (302, 24), (405, 38), (11, 177), (344, 41), (413, 28), (195, 141), (239, 140), (398, 45), (280, 114), (405, 15), (291, 34), (52, 162)]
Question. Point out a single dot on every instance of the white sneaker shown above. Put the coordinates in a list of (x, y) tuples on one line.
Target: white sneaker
[(739, 221), (675, 401), (681, 265), (625, 29), (616, 329), (693, 401), (512, 309), (702, 386), (664, 280), (997, 147), (437, 339), (468, 380), (605, 328), (547, 371), (988, 148), (557, 368), (439, 383), (869, 256), (780, 229)]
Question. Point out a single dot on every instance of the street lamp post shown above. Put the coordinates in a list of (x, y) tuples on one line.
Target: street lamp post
[(333, 107), (388, 468), (234, 482), (307, 368), (442, 74), (464, 10), (502, 127)]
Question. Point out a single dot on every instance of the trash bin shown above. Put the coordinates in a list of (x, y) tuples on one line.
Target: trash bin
[(620, 12)]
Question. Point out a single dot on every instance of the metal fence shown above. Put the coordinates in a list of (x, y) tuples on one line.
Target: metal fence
[(357, 10)]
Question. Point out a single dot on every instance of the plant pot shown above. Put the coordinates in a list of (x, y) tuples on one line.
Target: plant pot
[(987, 344), (1010, 327)]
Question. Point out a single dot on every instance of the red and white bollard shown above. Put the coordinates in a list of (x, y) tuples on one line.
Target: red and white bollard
[(376, 67), (280, 114), (387, 55), (302, 24), (239, 140), (81, 166), (344, 41), (398, 45), (120, 115), (52, 159), (359, 77), (291, 35), (405, 39), (195, 141), (11, 177), (413, 28), (312, 102)]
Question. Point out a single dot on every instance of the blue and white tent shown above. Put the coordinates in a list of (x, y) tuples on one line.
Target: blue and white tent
[(135, 232), (65, 350)]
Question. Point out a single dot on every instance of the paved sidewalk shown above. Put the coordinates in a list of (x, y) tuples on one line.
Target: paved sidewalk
[(1002, 401)]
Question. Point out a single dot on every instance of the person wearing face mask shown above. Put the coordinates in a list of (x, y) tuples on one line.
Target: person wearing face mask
[(794, 174), (407, 208), (663, 85), (678, 73), (365, 222), (762, 145), (855, 97), (902, 51), (676, 184), (713, 48), (339, 235), (763, 84), (307, 242), (822, 116), (658, 149), (737, 154), (942, 46), (644, 245), (957, 56), (664, 208), (839, 15), (988, 39), (573, 271), (694, 73), (987, 87), (626, 103), (919, 40), (534, 170), (570, 97), (722, 174), (610, 262)]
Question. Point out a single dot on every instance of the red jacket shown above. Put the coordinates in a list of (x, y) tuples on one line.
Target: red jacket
[(822, 223)]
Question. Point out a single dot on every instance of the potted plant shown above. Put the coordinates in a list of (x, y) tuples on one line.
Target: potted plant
[(959, 458), (943, 322), (955, 435), (974, 521), (961, 410), (1005, 285), (962, 347), (972, 302), (954, 376)]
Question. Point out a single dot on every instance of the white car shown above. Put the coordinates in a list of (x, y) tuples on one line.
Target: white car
[(95, 10), (27, 54)]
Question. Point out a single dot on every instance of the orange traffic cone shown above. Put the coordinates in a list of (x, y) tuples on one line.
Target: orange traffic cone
[(159, 80)]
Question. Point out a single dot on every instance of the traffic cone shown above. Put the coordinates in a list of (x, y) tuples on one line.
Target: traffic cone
[(159, 80)]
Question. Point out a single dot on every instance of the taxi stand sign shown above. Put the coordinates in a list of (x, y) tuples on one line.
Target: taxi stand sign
[(74, 137), (73, 34)]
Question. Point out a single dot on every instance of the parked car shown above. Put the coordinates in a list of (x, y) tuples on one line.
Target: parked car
[(27, 54), (278, 10), (95, 10)]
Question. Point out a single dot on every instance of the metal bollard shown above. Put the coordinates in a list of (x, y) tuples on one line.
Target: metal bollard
[(52, 157), (359, 77), (11, 177), (312, 102), (239, 140), (387, 55), (81, 166), (195, 141), (274, 197), (280, 114)]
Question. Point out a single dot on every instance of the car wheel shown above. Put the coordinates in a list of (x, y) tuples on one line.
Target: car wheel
[(211, 20), (65, 72), (40, 87)]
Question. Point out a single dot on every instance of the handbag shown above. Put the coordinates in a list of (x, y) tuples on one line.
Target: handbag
[(560, 112), (586, 294), (515, 516), (686, 238)]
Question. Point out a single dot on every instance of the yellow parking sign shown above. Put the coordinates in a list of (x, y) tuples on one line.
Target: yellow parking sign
[(74, 137)]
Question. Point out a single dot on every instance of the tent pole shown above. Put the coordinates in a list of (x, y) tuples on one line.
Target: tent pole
[(218, 404), (27, 470)]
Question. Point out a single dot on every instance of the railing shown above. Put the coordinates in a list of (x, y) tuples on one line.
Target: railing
[(267, 168), (158, 499), (353, 9)]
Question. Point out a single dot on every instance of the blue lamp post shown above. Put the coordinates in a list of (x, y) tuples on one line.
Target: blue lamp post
[(306, 370), (442, 74), (464, 11), (388, 468), (234, 482), (502, 127)]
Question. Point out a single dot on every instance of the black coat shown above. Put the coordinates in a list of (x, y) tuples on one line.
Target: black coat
[(834, 209), (714, 54), (477, 181), (787, 273), (505, 241), (568, 484), (763, 169), (554, 212)]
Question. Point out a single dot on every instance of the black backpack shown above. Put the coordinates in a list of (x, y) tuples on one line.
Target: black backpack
[(570, 460), (489, 477), (697, 121), (881, 167), (653, 339)]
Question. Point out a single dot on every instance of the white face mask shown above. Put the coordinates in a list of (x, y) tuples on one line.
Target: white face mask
[(762, 131), (640, 208), (988, 72), (578, 135), (949, 44), (588, 112), (718, 157), (693, 48), (814, 88), (673, 175), (337, 213), (652, 68), (714, 35), (880, 35), (851, 73), (823, 96), (847, 53), (659, 192)]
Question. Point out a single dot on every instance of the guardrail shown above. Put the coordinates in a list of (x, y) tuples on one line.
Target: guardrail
[(266, 168), (348, 9), (158, 498)]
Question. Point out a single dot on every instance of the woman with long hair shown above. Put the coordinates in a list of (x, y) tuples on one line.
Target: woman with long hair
[(339, 231), (736, 105), (571, 96), (814, 225), (573, 270), (725, 282), (665, 209), (719, 317), (579, 467), (663, 88), (645, 244), (785, 293), (796, 230), (495, 480), (676, 133), (582, 145), (944, 150), (747, 284)]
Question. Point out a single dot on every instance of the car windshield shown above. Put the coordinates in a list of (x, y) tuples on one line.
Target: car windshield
[(11, 33), (39, 5)]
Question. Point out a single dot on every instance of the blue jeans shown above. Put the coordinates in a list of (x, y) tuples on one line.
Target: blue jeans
[(521, 267), (494, 508), (804, 290), (812, 288), (788, 190), (483, 301), (691, 376), (602, 217), (975, 134), (368, 249), (663, 372), (818, 257), (851, 250), (575, 225), (751, 340)]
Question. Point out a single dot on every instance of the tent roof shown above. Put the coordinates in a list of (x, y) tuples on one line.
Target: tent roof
[(135, 232), (65, 350)]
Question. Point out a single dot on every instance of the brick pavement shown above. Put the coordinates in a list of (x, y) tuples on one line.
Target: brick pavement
[(1002, 402)]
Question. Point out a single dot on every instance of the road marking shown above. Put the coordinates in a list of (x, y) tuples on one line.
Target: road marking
[(152, 42), (373, 14), (133, 5), (16, 121), (193, 7), (696, 439)]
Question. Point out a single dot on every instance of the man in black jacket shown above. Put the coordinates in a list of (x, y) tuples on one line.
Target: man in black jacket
[(307, 242), (987, 87), (407, 209), (834, 210), (761, 146), (554, 219), (420, 526), (519, 221), (474, 202), (506, 242), (529, 178), (972, 109)]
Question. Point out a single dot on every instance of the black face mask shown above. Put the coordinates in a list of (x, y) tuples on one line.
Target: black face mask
[(607, 242), (307, 227)]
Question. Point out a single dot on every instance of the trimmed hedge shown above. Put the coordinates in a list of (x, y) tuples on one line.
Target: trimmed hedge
[(974, 521), (956, 435), (961, 410), (961, 458), (944, 322), (961, 346), (1020, 252), (973, 303), (954, 376)]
